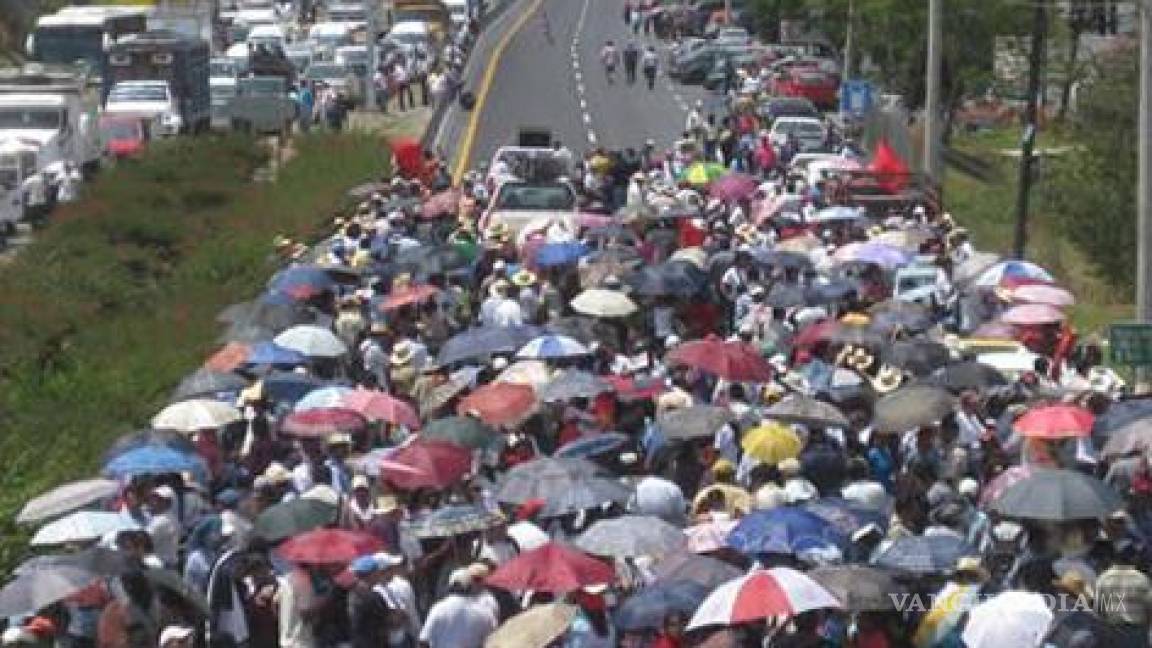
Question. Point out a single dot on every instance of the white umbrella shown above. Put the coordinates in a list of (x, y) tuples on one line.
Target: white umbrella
[(533, 373), (194, 415), (602, 302), (66, 498), (82, 526), (552, 346), (312, 341), (1014, 618), (527, 535)]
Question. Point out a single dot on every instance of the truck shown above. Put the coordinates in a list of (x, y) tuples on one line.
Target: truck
[(80, 34), (17, 166), (54, 108), (181, 62), (193, 18), (262, 105), (433, 13)]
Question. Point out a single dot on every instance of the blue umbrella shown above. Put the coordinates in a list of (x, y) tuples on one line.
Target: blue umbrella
[(155, 460), (647, 609), (297, 277), (844, 516), (547, 347), (486, 340), (783, 531), (557, 254), (923, 555), (277, 298), (289, 386), (593, 446), (270, 353), (330, 396)]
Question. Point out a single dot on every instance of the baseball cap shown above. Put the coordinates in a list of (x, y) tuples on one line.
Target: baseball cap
[(175, 633), (364, 565)]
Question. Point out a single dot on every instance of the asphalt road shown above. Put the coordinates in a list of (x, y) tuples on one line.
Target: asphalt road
[(549, 75)]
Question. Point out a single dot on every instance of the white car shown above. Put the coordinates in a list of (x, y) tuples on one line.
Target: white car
[(810, 132), (411, 33), (152, 99)]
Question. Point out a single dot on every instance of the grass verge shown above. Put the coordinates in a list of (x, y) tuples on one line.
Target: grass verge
[(111, 306)]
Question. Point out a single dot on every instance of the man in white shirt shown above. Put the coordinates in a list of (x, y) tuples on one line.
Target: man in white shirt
[(459, 620), (163, 526), (398, 593)]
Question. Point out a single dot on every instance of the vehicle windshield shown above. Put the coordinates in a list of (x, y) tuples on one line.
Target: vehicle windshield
[(139, 93), (223, 91), (9, 178), (222, 69), (120, 130), (347, 15), (799, 128), (517, 196), (326, 72), (31, 118), (908, 283)]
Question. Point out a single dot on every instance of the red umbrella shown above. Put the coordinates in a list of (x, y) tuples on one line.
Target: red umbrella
[(409, 156), (553, 568), (499, 403), (407, 296), (629, 389), (444, 203), (1056, 422), (734, 186), (821, 331), (1032, 314), (891, 170), (378, 406), (322, 421), (1043, 294), (734, 361), (329, 546), (440, 464)]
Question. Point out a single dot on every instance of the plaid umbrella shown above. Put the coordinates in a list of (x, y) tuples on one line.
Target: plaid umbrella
[(454, 520), (923, 555)]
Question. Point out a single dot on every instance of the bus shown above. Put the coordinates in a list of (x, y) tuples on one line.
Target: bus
[(82, 33)]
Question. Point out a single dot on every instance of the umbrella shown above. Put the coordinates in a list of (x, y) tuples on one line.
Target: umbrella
[(573, 383), (998, 484), (527, 535), (312, 341), (1055, 422), (1069, 627), (1013, 618), (272, 354), (879, 254), (408, 296), (785, 260), (733, 187), (1121, 414), (997, 273), (1043, 294), (207, 383), (272, 316), (291, 518), (1032, 314), (859, 588), (558, 254), (454, 520), (537, 627), (171, 439), (81, 526), (631, 536), (154, 460), (565, 485), (439, 464), (592, 446), (601, 302), (707, 537), (847, 516), (1129, 439), (918, 357), (786, 296), (322, 422), (840, 213), (379, 406), (735, 361), (672, 278), (736, 500), (965, 375), (465, 431), (499, 403), (771, 443), (648, 608), (485, 341), (195, 415), (630, 388), (910, 407), (325, 397), (806, 410), (922, 555), (444, 203), (533, 373), (310, 278), (289, 386), (174, 583), (695, 422), (96, 560), (705, 570), (550, 347), (761, 594), (443, 394), (783, 531), (1058, 496), (67, 498), (328, 546), (703, 173), (427, 261), (554, 568)]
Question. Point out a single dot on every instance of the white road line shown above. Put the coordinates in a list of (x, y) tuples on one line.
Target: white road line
[(592, 138), (581, 94), (583, 104), (587, 119)]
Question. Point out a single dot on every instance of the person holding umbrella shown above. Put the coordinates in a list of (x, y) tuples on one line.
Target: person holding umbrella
[(368, 612)]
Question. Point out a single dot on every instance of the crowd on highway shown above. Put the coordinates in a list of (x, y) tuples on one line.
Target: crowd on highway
[(745, 391)]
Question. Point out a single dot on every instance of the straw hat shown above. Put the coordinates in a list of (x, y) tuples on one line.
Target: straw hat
[(403, 353), (499, 288), (972, 566), (748, 233), (497, 233), (887, 379), (1074, 583), (276, 474), (524, 278), (401, 281)]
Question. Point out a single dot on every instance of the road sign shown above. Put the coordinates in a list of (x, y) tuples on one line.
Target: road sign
[(856, 97), (1131, 344)]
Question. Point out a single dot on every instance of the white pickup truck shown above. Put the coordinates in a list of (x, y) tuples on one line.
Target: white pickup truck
[(149, 99)]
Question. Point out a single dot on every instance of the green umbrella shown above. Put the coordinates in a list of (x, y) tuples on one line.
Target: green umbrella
[(466, 431), (287, 519)]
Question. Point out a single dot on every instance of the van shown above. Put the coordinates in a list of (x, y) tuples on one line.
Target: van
[(271, 36)]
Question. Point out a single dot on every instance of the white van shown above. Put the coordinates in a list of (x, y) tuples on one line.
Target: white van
[(457, 12), (272, 36)]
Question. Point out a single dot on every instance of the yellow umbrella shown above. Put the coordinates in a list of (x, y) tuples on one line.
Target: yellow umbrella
[(772, 443), (536, 628), (736, 500)]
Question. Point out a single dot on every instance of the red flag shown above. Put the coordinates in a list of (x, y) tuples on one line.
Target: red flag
[(890, 169), (409, 157)]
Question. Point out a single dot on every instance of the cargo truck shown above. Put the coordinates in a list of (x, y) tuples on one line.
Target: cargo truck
[(180, 62)]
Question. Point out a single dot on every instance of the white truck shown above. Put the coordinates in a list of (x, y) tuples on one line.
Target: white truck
[(54, 109), (17, 173)]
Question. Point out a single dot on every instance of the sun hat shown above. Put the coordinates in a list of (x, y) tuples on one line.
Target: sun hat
[(403, 353)]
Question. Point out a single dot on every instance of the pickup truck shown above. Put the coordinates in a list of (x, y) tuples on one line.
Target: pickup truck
[(262, 105)]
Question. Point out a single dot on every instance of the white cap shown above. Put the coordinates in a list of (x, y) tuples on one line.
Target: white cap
[(385, 559), (165, 492), (968, 487), (799, 490), (175, 633), (460, 577)]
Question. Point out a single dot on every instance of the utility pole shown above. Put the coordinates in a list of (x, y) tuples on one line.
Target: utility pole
[(848, 44), (370, 82), (931, 161), (1144, 181), (1028, 142)]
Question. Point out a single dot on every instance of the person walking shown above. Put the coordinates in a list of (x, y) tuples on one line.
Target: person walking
[(651, 63), (631, 59), (610, 57)]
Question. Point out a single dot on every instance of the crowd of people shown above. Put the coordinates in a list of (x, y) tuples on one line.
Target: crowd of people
[(705, 409)]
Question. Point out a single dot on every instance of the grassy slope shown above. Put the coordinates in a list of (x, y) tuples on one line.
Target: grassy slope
[(989, 211), (116, 302)]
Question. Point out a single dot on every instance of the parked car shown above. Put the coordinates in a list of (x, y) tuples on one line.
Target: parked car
[(811, 134), (694, 66)]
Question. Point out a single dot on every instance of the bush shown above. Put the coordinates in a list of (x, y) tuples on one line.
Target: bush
[(116, 301)]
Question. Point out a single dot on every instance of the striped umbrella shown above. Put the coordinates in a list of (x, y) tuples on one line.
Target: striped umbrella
[(760, 594), (547, 347)]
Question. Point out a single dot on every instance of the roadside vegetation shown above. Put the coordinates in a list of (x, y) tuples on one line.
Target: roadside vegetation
[(115, 302)]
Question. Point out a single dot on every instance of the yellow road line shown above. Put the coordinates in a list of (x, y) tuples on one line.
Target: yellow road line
[(465, 151)]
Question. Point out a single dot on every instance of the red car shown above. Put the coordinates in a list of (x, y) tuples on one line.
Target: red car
[(820, 88), (124, 136)]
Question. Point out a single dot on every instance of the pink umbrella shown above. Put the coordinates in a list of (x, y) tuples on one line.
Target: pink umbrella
[(1001, 482), (322, 421), (709, 536), (1055, 422), (408, 296), (995, 331), (589, 220), (761, 594), (1032, 314), (733, 187), (378, 406), (444, 203), (1039, 293)]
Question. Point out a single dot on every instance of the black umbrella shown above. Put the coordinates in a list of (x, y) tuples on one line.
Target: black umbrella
[(1058, 496), (1069, 629), (286, 519), (1129, 439), (892, 316), (484, 341), (919, 357), (829, 293), (207, 383), (695, 422), (911, 407), (426, 261), (648, 608), (786, 296), (565, 485), (672, 278), (784, 259), (573, 383), (798, 408), (969, 374), (705, 570), (606, 233), (276, 316), (1121, 414), (923, 555), (174, 584), (858, 587)]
